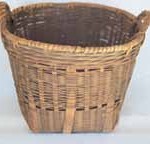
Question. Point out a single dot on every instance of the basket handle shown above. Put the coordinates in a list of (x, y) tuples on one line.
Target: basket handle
[(4, 10), (143, 21)]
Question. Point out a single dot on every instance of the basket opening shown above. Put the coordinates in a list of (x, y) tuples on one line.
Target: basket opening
[(76, 26)]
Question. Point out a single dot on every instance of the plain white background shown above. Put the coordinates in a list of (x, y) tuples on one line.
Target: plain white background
[(134, 124)]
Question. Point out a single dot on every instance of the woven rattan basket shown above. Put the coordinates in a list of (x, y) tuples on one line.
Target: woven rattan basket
[(71, 63)]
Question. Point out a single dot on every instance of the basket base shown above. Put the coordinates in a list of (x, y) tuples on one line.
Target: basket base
[(95, 120)]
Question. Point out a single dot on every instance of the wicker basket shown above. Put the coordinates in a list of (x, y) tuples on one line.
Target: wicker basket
[(71, 63)]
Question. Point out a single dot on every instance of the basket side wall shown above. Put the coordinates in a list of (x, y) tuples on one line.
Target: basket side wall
[(99, 97)]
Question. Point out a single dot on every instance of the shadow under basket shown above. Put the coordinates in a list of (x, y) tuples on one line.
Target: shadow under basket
[(71, 62)]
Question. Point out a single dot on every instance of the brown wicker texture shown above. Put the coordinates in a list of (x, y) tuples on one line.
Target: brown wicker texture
[(71, 63)]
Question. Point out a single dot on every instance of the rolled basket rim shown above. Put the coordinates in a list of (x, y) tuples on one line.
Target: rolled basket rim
[(134, 41)]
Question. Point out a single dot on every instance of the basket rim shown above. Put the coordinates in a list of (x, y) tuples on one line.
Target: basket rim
[(134, 41)]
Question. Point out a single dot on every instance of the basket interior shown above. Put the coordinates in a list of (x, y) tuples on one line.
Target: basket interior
[(76, 26)]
